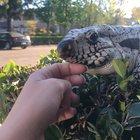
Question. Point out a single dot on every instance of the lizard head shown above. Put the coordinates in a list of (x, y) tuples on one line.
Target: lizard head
[(91, 46)]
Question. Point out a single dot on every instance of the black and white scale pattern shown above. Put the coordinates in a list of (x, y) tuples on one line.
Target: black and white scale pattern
[(96, 46)]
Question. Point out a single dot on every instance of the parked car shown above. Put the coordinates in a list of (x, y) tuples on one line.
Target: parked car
[(8, 40)]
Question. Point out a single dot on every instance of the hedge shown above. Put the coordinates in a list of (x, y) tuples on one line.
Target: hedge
[(108, 110), (43, 40)]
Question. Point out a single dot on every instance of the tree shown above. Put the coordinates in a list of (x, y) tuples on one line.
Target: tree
[(2, 8), (93, 13), (12, 9), (77, 13), (44, 12), (57, 12), (111, 11), (136, 14)]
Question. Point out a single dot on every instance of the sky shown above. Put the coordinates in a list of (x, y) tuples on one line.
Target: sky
[(129, 5)]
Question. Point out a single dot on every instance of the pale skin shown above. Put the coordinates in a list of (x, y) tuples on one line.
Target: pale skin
[(45, 98)]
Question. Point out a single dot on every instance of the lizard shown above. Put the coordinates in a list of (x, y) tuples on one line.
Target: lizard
[(96, 46)]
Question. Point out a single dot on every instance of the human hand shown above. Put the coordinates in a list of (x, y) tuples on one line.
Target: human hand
[(45, 98)]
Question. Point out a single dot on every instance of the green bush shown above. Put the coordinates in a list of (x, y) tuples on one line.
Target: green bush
[(43, 40), (107, 109), (13, 77)]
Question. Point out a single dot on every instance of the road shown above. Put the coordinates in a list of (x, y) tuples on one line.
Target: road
[(24, 57)]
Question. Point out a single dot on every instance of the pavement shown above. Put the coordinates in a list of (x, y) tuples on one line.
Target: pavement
[(25, 57)]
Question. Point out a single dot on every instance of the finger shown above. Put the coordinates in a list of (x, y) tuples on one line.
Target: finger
[(76, 79), (66, 102), (75, 100), (66, 114), (70, 99), (59, 70)]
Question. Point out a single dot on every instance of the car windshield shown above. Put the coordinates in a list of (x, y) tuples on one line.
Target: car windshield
[(14, 34), (3, 35)]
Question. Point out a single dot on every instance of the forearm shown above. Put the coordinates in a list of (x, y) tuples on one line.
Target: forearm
[(19, 131), (5, 135)]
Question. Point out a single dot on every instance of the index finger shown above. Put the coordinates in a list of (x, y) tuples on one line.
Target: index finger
[(60, 70)]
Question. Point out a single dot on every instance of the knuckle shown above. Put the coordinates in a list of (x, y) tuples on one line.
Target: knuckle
[(64, 85)]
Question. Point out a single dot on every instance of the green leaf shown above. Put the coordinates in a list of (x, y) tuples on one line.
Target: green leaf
[(91, 128), (110, 111), (102, 125), (107, 125), (9, 67), (123, 83), (122, 106), (119, 67), (2, 77), (116, 129), (132, 116), (53, 133)]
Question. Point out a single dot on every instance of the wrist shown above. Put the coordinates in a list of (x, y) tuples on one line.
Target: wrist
[(8, 133), (21, 126)]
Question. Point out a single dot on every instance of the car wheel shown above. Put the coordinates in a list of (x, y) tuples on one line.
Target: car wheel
[(7, 46), (23, 47)]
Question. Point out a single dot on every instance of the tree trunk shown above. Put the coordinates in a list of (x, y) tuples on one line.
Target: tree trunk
[(9, 28)]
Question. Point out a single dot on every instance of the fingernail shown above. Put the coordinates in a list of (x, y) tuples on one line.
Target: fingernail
[(86, 67), (84, 79)]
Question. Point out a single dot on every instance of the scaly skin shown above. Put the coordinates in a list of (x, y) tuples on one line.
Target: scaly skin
[(97, 46)]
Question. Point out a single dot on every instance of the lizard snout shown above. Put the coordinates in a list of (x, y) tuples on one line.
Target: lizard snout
[(66, 48)]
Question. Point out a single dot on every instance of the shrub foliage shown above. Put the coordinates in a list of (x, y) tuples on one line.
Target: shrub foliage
[(43, 40), (108, 110)]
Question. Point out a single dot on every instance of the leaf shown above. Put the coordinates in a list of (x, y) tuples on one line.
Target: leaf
[(2, 77), (123, 83), (107, 125), (93, 130), (9, 67), (110, 111), (138, 94), (116, 129), (102, 125), (132, 116), (53, 133), (119, 67), (122, 106)]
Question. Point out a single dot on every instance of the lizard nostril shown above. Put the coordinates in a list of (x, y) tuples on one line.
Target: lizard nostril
[(65, 48)]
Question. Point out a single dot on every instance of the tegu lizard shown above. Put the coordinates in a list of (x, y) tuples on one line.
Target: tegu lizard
[(96, 46)]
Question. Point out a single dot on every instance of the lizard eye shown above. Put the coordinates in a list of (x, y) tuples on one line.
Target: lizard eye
[(94, 37)]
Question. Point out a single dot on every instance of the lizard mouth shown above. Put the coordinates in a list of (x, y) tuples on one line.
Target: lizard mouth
[(96, 67), (102, 65), (92, 60)]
